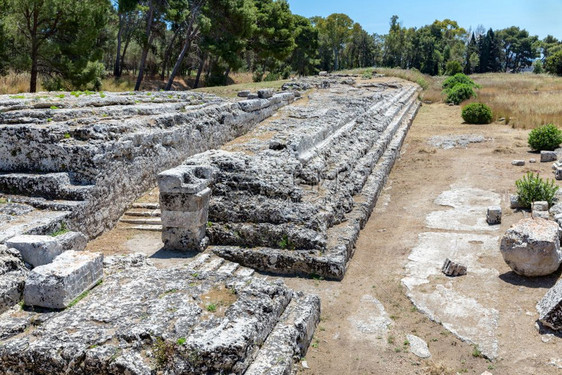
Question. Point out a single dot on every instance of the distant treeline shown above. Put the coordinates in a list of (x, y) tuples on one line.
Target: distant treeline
[(73, 44)]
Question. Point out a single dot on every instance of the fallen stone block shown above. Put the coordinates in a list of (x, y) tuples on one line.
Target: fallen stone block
[(547, 156), (265, 93), (322, 73), (57, 284), (418, 346), (541, 214), (72, 241), (550, 307), (514, 202), (531, 247), (244, 93), (451, 268), (12, 277), (558, 173), (556, 209), (494, 215), (36, 250), (540, 206), (518, 163)]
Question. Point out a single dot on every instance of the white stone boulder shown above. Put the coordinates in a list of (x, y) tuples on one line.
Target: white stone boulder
[(418, 346), (540, 206), (36, 250), (518, 163), (550, 307), (547, 156), (72, 241), (514, 202), (531, 247), (57, 284)]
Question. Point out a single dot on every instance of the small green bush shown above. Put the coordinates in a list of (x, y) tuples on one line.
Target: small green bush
[(459, 93), (453, 67), (546, 137), (531, 188), (477, 113), (538, 67), (458, 79)]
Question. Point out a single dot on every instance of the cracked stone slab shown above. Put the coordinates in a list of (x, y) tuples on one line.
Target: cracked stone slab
[(447, 142), (371, 320), (468, 210)]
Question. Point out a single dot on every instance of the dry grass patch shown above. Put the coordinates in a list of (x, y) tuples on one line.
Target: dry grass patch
[(524, 100), (15, 83)]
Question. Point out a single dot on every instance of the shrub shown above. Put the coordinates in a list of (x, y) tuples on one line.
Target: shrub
[(458, 79), (453, 67), (538, 67), (546, 137), (554, 63), (459, 93), (531, 188), (477, 113)]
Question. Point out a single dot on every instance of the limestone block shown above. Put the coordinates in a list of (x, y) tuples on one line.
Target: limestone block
[(540, 206), (72, 241), (253, 96), (556, 209), (532, 161), (12, 277), (57, 284), (494, 215), (265, 93), (36, 250), (243, 93), (514, 202), (531, 247), (518, 163), (451, 268), (418, 346), (550, 307), (547, 156), (541, 214), (323, 73)]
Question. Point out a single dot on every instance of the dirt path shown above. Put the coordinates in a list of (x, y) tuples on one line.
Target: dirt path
[(351, 338), (366, 318)]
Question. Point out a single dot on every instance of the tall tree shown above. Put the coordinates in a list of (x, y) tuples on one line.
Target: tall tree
[(60, 35), (337, 28), (124, 7), (153, 12), (304, 59)]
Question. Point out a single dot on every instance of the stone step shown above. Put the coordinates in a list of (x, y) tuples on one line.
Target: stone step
[(289, 339), (244, 272), (228, 268), (199, 260), (44, 185), (212, 264), (149, 206), (143, 213), (147, 228), (44, 204), (139, 221)]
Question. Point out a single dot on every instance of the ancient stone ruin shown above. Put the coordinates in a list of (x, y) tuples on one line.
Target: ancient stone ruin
[(274, 181), (293, 195)]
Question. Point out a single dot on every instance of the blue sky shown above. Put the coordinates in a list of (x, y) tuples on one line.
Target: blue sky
[(538, 17)]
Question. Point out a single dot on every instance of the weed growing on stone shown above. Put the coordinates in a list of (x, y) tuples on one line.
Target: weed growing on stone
[(286, 244), (211, 307), (82, 296), (163, 352), (17, 96), (62, 230), (181, 341), (54, 107), (66, 135)]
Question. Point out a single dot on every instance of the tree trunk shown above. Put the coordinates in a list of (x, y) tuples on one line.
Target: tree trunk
[(148, 34), (186, 47), (168, 54), (200, 70), (33, 79), (117, 67)]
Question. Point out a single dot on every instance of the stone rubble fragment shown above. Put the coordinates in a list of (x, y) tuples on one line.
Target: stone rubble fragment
[(550, 307), (547, 156), (36, 250), (265, 93), (532, 161), (243, 93), (556, 209), (540, 206), (57, 284), (518, 163), (451, 268), (418, 346), (72, 241), (494, 215), (531, 247), (514, 202)]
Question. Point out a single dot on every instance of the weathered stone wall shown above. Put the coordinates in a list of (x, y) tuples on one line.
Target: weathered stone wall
[(294, 195), (99, 152)]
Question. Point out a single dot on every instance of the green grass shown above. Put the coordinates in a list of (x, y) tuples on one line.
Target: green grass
[(62, 230), (211, 307), (82, 296)]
